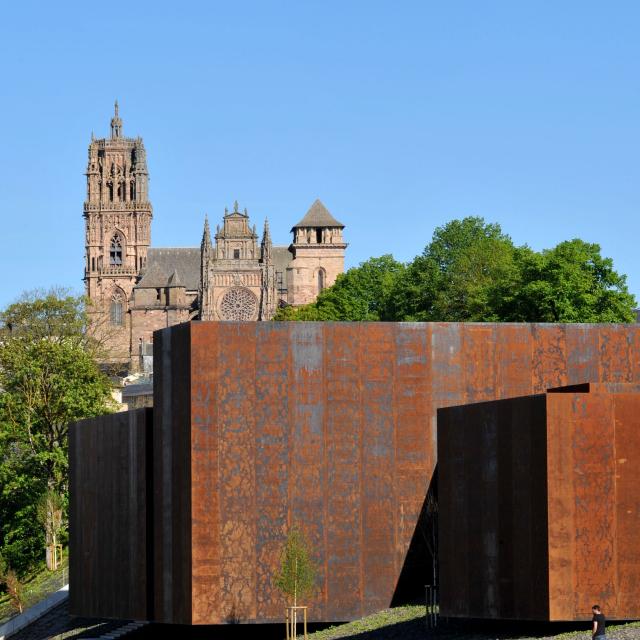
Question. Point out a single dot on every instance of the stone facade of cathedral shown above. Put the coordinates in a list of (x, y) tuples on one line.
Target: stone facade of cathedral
[(135, 289)]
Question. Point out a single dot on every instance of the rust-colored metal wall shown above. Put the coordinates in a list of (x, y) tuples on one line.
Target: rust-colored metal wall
[(593, 449), (539, 505), (331, 426), (110, 573), (493, 510), (172, 515)]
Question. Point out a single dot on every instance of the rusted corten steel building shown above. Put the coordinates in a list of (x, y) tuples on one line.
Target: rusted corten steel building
[(110, 536), (329, 425), (540, 505)]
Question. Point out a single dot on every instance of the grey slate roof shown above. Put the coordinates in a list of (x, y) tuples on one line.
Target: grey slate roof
[(162, 263), (281, 257), (181, 267), (318, 216)]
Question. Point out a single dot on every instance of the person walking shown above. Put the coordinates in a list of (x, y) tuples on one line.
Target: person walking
[(599, 623)]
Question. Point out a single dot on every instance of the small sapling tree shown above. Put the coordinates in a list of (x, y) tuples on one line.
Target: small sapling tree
[(50, 515), (297, 576), (12, 585)]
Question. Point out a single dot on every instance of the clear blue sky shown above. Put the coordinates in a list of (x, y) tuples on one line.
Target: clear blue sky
[(400, 116)]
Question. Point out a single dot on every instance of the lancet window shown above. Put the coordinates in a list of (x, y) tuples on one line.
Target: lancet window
[(115, 251), (117, 309)]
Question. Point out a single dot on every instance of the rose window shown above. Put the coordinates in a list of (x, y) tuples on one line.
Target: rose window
[(239, 304)]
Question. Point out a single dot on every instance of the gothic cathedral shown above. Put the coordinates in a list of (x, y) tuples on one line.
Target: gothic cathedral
[(135, 289)]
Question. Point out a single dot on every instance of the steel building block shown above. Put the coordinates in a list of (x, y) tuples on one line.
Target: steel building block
[(540, 504)]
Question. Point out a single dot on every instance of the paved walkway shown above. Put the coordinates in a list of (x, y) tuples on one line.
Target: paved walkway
[(58, 624)]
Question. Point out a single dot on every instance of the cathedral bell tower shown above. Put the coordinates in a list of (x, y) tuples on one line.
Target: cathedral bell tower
[(117, 215), (318, 249)]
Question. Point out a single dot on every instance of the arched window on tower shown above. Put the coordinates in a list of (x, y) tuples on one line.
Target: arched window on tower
[(110, 186), (321, 280), (116, 312), (132, 191), (115, 251)]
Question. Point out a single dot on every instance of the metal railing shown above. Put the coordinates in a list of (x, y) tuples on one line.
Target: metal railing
[(431, 605)]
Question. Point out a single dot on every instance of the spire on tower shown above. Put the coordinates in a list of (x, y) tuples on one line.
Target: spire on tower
[(206, 236), (267, 233), (266, 242), (116, 123)]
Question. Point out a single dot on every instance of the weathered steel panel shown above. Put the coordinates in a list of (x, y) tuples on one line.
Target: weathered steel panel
[(272, 462), (415, 444), (627, 502), (582, 353), (549, 358), (172, 475), (307, 454), (236, 409), (379, 535), (207, 568), (108, 516), (560, 478), (492, 509), (513, 356), (479, 362), (344, 585), (616, 364)]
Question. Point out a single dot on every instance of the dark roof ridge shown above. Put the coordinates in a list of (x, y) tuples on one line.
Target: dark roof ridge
[(318, 216)]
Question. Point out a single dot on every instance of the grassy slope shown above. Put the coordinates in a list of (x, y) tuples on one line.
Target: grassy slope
[(38, 587), (408, 623)]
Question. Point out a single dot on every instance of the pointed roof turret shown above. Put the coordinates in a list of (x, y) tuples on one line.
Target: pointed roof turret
[(116, 123), (318, 216)]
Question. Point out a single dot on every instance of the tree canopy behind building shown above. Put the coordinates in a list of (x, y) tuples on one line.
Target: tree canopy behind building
[(471, 271)]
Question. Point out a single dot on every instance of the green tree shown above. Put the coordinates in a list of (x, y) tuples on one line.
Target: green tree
[(47, 385), (472, 272), (570, 283), (48, 378), (297, 576), (360, 294), (21, 536), (459, 275)]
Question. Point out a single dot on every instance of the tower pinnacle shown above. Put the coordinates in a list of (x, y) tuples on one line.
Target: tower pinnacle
[(206, 236), (116, 123)]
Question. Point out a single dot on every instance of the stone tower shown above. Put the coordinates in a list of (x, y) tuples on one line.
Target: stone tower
[(318, 255), (117, 216), (237, 277)]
